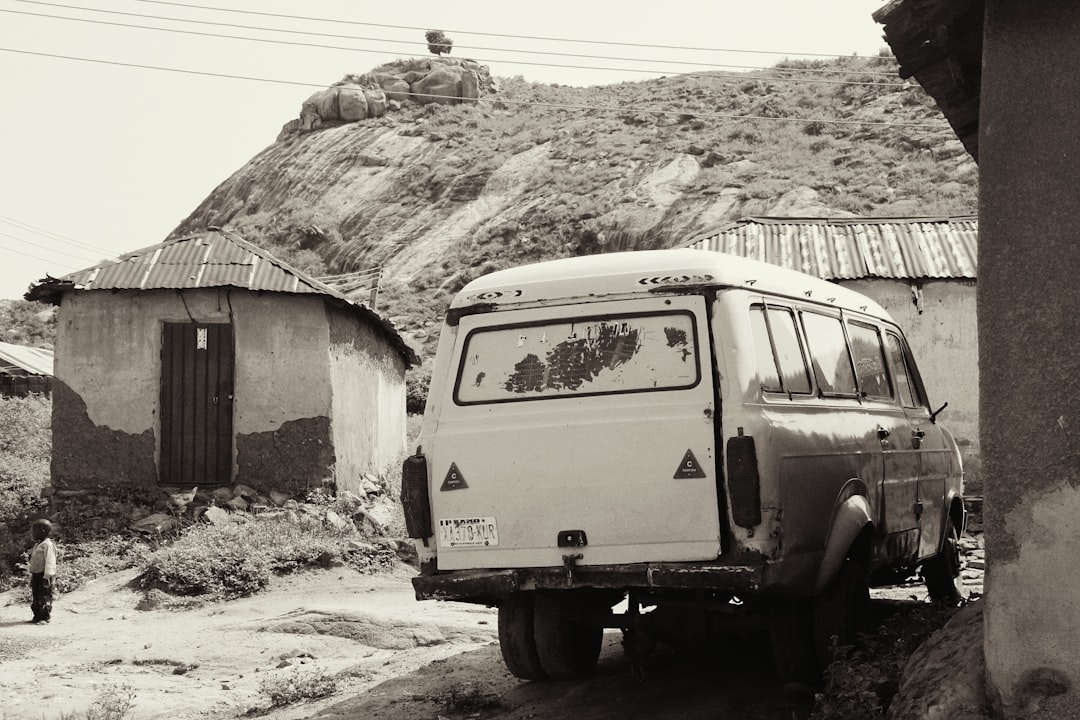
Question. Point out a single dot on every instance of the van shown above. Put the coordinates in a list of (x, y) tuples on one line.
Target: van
[(694, 437)]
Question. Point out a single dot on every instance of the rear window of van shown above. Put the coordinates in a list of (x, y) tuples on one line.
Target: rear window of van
[(584, 356)]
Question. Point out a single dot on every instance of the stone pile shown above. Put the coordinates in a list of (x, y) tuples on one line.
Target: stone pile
[(371, 95), (370, 509)]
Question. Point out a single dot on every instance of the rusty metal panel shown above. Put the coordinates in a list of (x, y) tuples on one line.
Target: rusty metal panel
[(225, 252), (121, 275), (37, 361), (235, 275), (196, 404), (850, 249)]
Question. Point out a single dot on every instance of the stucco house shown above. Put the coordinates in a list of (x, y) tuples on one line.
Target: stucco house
[(25, 370), (1002, 73), (205, 361), (922, 270)]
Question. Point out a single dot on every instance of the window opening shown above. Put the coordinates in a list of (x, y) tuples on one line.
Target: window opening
[(870, 365), (829, 354)]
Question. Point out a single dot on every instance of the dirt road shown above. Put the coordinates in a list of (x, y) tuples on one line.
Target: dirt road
[(391, 658)]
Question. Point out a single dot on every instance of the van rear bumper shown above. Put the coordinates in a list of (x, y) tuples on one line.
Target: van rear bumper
[(492, 586)]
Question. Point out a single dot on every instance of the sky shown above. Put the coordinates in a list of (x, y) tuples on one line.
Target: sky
[(110, 135)]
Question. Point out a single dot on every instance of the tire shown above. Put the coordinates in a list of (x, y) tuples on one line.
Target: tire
[(567, 645), (941, 573), (791, 635), (842, 611), (516, 637)]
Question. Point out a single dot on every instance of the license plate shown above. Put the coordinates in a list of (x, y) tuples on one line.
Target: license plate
[(468, 532)]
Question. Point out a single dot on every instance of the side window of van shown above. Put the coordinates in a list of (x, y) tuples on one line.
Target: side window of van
[(829, 354), (905, 385), (869, 361), (781, 361)]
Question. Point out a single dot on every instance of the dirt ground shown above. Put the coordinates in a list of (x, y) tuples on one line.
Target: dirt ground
[(394, 658), (210, 662)]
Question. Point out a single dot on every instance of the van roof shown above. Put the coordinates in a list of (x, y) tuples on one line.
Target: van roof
[(625, 274)]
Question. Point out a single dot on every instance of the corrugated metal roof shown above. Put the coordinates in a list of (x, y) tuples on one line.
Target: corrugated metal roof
[(213, 258), (853, 248), (36, 361)]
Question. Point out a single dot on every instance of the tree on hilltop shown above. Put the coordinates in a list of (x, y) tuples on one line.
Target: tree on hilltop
[(437, 42)]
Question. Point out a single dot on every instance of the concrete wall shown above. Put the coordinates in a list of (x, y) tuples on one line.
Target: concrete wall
[(108, 364), (942, 330), (1029, 262), (369, 400)]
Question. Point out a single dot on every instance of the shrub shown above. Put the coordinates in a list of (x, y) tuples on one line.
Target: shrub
[(296, 686), (221, 562), (417, 382), (238, 558), (25, 449), (112, 703)]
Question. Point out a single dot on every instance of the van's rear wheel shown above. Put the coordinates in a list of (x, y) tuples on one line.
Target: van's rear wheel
[(941, 573), (842, 611), (516, 637), (791, 635), (567, 644)]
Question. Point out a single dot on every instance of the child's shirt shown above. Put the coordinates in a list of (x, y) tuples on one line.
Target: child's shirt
[(43, 558)]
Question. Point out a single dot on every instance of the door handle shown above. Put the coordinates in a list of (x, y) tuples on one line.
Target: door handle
[(917, 438), (883, 433)]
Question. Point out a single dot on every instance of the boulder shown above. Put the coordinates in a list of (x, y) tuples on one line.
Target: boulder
[(326, 104), (155, 524), (442, 85), (394, 87), (222, 494), (246, 492), (376, 103), (470, 85), (237, 504), (279, 498), (337, 522), (944, 679), (352, 103), (216, 516)]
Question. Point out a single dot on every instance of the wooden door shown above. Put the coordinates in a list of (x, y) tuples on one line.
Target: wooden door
[(196, 404)]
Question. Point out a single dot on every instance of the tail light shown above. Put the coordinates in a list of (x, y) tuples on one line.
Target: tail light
[(744, 485), (414, 496)]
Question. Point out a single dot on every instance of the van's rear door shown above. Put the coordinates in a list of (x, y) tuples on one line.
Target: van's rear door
[(579, 429)]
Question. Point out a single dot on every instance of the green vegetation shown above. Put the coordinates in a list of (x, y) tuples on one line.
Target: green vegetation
[(861, 682), (25, 449), (27, 323), (112, 703), (220, 562), (296, 686), (437, 42)]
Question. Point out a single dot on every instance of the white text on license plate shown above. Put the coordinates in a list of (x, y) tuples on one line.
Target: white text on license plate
[(468, 532)]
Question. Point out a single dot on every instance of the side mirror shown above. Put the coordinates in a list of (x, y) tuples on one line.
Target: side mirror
[(933, 415)]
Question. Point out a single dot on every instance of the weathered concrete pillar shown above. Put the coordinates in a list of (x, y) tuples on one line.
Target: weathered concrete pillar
[(1029, 350)]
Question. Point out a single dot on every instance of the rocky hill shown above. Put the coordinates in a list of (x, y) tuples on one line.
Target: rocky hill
[(392, 169)]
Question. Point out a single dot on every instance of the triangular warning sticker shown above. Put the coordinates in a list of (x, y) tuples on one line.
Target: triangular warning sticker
[(689, 467), (454, 480)]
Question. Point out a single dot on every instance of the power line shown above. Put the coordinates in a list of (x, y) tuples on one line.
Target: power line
[(51, 235), (43, 247), (410, 42), (899, 85), (502, 35), (505, 101), (164, 69), (36, 257)]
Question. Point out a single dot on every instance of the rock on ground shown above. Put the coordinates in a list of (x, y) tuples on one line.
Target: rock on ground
[(945, 678)]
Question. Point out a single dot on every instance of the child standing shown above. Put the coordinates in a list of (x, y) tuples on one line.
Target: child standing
[(42, 571)]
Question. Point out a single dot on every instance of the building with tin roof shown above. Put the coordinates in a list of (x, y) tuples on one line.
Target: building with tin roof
[(25, 369), (921, 270), (205, 361)]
